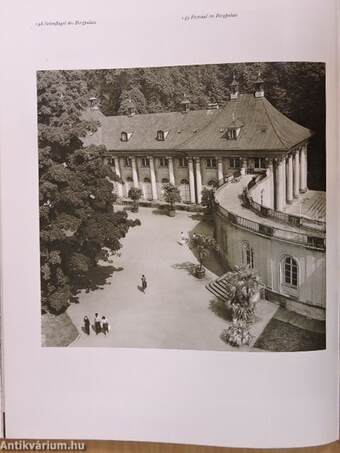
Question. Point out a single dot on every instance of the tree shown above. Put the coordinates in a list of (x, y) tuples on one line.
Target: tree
[(243, 288), (171, 195), (203, 244), (135, 194), (78, 226)]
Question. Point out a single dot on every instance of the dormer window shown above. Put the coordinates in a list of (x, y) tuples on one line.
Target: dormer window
[(125, 136), (161, 135), (233, 129), (232, 134)]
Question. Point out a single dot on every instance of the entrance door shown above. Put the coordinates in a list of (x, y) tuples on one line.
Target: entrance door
[(147, 189), (127, 185), (184, 190)]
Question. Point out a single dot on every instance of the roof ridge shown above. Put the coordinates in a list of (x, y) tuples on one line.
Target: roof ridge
[(286, 145)]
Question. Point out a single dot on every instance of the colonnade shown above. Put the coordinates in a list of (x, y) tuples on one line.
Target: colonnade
[(290, 177)]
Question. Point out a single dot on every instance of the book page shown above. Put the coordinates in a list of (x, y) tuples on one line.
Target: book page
[(168, 205)]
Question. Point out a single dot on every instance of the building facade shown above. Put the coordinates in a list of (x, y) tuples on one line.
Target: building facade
[(257, 157)]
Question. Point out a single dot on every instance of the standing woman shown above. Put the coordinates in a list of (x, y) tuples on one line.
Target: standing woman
[(87, 325)]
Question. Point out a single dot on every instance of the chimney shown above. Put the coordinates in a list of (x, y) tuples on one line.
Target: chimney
[(259, 86), (131, 108), (94, 103), (185, 104), (213, 106), (234, 88)]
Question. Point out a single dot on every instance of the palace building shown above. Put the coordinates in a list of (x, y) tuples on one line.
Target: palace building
[(256, 157)]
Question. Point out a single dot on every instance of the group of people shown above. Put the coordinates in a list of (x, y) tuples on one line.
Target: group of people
[(99, 325)]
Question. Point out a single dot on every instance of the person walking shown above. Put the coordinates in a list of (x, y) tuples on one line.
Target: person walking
[(144, 283), (182, 241), (105, 325), (97, 325), (87, 325)]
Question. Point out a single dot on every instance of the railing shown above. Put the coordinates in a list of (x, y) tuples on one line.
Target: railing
[(291, 219), (306, 240)]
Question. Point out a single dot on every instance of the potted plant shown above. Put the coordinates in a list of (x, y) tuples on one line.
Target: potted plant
[(243, 289), (203, 244), (135, 194), (171, 195)]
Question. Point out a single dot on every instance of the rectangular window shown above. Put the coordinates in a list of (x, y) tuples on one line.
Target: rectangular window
[(260, 162), (145, 162), (163, 162), (235, 162), (111, 161), (128, 162), (182, 162), (211, 163)]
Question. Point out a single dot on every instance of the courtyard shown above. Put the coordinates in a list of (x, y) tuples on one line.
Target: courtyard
[(176, 311)]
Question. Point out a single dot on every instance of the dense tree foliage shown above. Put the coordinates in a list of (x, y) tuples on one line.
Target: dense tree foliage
[(296, 89), (78, 226)]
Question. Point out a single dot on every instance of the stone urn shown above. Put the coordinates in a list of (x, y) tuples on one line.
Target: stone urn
[(199, 272), (172, 213)]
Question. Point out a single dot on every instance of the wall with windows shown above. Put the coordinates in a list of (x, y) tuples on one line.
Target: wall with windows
[(305, 292)]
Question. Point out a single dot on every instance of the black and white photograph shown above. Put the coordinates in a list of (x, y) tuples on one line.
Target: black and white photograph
[(183, 207)]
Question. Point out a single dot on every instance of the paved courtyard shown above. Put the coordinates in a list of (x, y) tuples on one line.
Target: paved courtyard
[(175, 310)]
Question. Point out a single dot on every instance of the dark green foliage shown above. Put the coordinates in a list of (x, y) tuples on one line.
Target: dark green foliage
[(78, 226), (208, 198), (203, 244), (171, 194)]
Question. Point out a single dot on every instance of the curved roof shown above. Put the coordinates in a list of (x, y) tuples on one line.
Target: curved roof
[(264, 129)]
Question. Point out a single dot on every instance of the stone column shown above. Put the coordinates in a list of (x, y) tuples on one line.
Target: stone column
[(303, 169), (296, 174), (290, 179), (134, 172), (171, 170), (153, 179), (219, 170), (279, 184), (198, 179), (191, 180), (284, 183), (118, 173), (243, 169)]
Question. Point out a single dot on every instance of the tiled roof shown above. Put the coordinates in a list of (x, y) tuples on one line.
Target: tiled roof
[(264, 128)]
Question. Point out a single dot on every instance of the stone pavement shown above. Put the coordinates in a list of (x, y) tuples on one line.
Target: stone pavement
[(175, 310)]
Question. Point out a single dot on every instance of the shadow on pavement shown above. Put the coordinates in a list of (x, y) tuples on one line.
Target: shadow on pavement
[(219, 308)]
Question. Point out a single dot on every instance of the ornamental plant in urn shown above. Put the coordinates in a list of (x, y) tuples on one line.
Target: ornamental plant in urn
[(135, 194), (203, 244), (243, 288), (171, 195)]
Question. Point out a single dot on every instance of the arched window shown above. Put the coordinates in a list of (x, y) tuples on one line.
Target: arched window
[(247, 255), (160, 135), (124, 137), (290, 271)]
